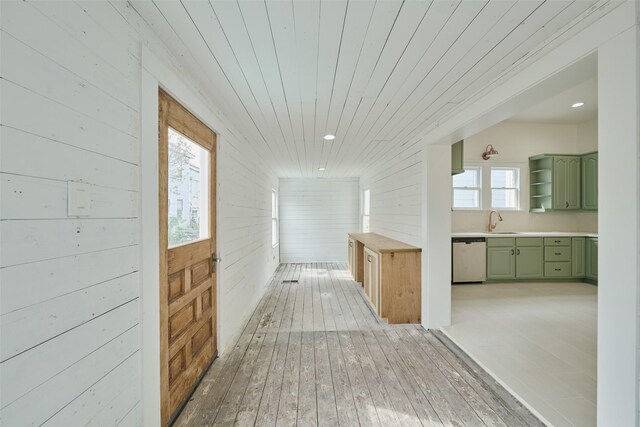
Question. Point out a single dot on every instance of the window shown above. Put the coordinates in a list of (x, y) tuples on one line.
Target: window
[(274, 218), (467, 189), (187, 162), (505, 188), (366, 210)]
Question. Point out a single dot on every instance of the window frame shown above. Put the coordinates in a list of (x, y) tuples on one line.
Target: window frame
[(479, 172), (518, 187), (275, 223), (366, 213)]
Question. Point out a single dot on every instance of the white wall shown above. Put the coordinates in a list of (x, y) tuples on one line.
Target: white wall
[(396, 204), (516, 142), (619, 238), (315, 216), (71, 287)]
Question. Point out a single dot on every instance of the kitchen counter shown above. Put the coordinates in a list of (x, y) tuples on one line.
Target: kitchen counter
[(525, 234), (380, 244)]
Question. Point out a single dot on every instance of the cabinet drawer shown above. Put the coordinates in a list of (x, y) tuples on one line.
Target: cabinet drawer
[(501, 241), (557, 269), (528, 241), (557, 241), (557, 253)]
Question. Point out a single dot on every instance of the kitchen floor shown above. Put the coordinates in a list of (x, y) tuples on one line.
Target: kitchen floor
[(538, 339)]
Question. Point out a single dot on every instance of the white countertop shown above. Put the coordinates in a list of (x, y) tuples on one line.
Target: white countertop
[(525, 234)]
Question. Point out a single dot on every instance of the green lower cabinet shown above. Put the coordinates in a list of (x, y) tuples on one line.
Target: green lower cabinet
[(529, 262), (521, 258), (591, 259), (578, 257), (501, 263)]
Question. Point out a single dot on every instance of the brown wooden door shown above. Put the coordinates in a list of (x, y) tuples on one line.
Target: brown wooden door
[(187, 183)]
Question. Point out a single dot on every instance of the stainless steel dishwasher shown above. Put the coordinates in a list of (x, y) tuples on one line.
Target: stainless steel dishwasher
[(469, 259)]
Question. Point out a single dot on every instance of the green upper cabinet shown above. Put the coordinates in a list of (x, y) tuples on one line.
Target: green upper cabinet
[(554, 183), (457, 158), (566, 182), (589, 182)]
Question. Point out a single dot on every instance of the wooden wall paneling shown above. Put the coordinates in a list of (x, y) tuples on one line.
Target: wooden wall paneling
[(96, 397), (32, 377), (49, 122), (31, 69), (91, 35), (30, 284), (315, 215), (63, 48), (47, 199), (56, 316), (35, 240), (27, 154)]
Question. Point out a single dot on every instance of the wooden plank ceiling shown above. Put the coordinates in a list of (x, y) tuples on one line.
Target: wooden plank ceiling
[(374, 73)]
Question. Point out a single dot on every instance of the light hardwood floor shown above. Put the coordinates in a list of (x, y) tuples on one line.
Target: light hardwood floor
[(313, 353)]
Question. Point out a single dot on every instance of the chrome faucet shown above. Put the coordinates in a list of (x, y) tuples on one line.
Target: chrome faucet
[(491, 225)]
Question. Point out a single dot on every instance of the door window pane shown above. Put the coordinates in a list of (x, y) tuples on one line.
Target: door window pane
[(188, 190)]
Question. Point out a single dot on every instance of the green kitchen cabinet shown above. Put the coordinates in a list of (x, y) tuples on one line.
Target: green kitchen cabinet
[(501, 263), (529, 262), (566, 182), (591, 259), (589, 181), (457, 158), (578, 257), (509, 258)]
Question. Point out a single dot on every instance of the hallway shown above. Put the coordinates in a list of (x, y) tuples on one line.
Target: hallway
[(314, 354)]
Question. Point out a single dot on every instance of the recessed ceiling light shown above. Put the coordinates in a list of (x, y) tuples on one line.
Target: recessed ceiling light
[(329, 137), (577, 104), (321, 169)]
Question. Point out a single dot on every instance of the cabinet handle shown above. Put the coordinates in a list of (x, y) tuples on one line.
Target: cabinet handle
[(558, 269), (369, 258), (350, 244), (512, 251), (518, 252), (567, 205), (556, 253), (557, 241)]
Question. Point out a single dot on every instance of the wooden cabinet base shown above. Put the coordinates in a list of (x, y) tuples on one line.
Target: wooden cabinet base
[(391, 274), (400, 293)]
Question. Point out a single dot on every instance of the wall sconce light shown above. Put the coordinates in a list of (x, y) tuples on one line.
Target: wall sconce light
[(488, 152)]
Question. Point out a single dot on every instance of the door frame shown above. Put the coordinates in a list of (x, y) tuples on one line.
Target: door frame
[(155, 74)]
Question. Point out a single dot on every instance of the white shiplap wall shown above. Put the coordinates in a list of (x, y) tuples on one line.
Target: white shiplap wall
[(315, 216), (69, 288), (395, 186)]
